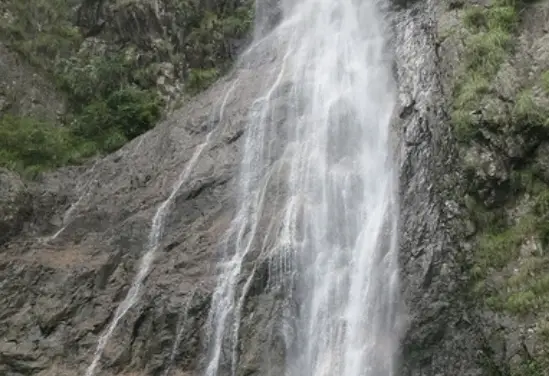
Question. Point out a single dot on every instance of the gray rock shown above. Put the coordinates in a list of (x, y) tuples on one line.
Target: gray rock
[(14, 205), (23, 91), (59, 293)]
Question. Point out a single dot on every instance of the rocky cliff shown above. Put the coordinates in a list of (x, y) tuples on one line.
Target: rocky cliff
[(471, 129)]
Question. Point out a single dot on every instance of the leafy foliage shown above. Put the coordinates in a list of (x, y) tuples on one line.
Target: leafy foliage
[(108, 105), (123, 115), (41, 30), (28, 144), (207, 46), (112, 93), (545, 82)]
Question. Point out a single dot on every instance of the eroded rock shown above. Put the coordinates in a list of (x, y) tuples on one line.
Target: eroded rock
[(14, 205)]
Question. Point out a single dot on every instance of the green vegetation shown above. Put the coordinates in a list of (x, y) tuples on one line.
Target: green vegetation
[(527, 113), (499, 244), (488, 43), (509, 270), (112, 92), (29, 144), (41, 30), (531, 367), (109, 106), (510, 260), (526, 288), (207, 46), (200, 79)]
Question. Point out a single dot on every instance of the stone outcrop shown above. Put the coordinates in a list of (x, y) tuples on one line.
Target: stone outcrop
[(23, 90), (71, 242), (14, 205)]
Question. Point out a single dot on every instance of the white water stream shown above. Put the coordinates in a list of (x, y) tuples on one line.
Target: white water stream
[(335, 234), (180, 330), (155, 237), (330, 232)]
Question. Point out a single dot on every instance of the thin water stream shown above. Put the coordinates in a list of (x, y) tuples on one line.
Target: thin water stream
[(154, 240)]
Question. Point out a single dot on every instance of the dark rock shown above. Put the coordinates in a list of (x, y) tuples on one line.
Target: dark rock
[(59, 290), (14, 205)]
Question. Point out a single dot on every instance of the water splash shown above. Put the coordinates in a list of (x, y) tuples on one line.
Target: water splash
[(335, 230), (155, 237)]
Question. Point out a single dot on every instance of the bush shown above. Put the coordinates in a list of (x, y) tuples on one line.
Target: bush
[(207, 48), (123, 115), (41, 30), (200, 79), (112, 95), (109, 107), (29, 144)]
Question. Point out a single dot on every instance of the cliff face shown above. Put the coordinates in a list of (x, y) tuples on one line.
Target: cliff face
[(495, 61), (471, 130), (86, 77)]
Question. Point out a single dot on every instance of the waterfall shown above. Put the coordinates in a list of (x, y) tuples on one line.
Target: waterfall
[(317, 194)]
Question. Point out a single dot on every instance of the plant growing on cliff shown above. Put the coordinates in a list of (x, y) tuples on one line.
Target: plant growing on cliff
[(41, 30), (109, 108), (123, 115), (29, 145), (487, 44), (527, 113), (112, 92), (208, 48)]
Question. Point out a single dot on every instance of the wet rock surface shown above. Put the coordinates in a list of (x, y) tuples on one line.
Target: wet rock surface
[(439, 338), (71, 242), (59, 293)]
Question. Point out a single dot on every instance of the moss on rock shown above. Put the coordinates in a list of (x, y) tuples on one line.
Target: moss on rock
[(488, 41), (502, 123)]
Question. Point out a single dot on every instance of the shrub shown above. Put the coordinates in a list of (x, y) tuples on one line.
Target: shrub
[(112, 95), (41, 30), (30, 144), (109, 107), (123, 115), (199, 79)]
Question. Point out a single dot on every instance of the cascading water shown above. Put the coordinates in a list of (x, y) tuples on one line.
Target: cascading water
[(155, 238), (336, 227)]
